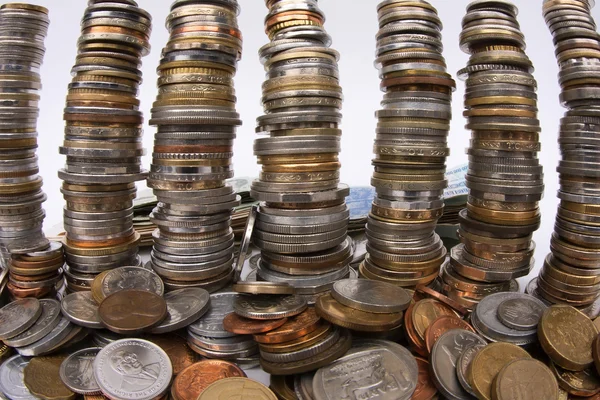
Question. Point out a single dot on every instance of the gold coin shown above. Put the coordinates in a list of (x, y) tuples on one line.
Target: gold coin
[(488, 363), (237, 388), (426, 311), (525, 379), (42, 378), (566, 335)]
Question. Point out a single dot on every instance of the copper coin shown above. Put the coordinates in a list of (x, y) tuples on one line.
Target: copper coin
[(132, 311), (192, 381), (425, 390), (245, 326), (442, 325), (295, 327), (416, 343), (177, 349), (303, 342), (427, 291)]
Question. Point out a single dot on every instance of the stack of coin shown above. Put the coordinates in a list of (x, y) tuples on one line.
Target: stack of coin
[(103, 140), (571, 273), (196, 119), (410, 147), (301, 226), (37, 274), (505, 178), (23, 30)]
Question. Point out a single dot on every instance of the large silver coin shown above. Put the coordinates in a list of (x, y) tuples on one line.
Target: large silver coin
[(269, 307), (522, 313), (18, 316), (131, 278), (184, 306), (211, 324), (371, 296), (444, 356), (77, 371), (81, 309), (48, 319), (11, 379), (373, 369), (133, 369)]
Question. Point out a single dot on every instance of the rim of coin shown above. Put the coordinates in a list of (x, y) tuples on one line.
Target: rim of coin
[(246, 240), (240, 387), (371, 296), (77, 373), (269, 307), (132, 311), (263, 287)]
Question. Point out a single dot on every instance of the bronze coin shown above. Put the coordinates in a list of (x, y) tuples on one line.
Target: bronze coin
[(596, 353), (416, 343), (192, 381), (132, 311), (442, 325), (295, 327), (428, 292), (426, 389), (245, 326), (177, 349)]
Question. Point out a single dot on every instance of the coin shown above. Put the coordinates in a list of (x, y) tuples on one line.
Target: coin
[(462, 365), (294, 328), (132, 311), (425, 312), (370, 296), (272, 307), (193, 380), (520, 313), (211, 324), (440, 326), (18, 316), (47, 320), (81, 309), (11, 378), (176, 347), (425, 386), (240, 387), (507, 383), (244, 326), (130, 278), (264, 288), (184, 307), (42, 378), (77, 374), (132, 368)]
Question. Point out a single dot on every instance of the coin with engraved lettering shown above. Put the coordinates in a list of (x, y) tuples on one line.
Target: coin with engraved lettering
[(45, 323), (11, 379), (184, 306), (371, 296), (444, 356), (211, 324), (18, 316), (521, 313), (131, 278), (80, 308), (525, 379), (269, 307), (77, 371), (373, 369), (133, 369)]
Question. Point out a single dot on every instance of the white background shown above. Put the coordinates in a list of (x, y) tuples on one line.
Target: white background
[(352, 24)]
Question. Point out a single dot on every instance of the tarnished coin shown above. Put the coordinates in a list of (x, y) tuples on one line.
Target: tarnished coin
[(269, 307), (18, 316), (261, 287), (567, 335), (81, 309), (244, 326), (193, 380), (42, 378), (132, 311), (371, 296), (45, 323), (525, 379), (211, 324), (488, 363), (578, 383), (137, 278), (133, 369), (237, 388), (184, 306), (394, 368), (77, 372), (11, 379), (522, 313), (444, 356), (426, 389)]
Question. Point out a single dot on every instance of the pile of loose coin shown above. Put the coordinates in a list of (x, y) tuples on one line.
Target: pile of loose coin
[(301, 225), (571, 273), (193, 147), (37, 274), (410, 147), (505, 178), (103, 141), (22, 33)]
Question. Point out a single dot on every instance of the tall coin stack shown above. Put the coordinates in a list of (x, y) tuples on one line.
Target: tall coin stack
[(193, 147), (103, 141), (301, 226), (23, 29), (571, 273), (505, 178), (410, 147)]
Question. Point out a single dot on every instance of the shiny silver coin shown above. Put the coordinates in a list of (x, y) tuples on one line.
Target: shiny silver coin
[(521, 313), (63, 329), (47, 320), (131, 278), (269, 307), (133, 369), (371, 296), (184, 307), (11, 379), (18, 316), (211, 324), (81, 309), (246, 240), (77, 372)]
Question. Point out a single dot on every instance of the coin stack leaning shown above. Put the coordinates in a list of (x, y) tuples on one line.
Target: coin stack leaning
[(571, 273), (301, 226), (103, 141), (22, 33), (505, 178), (196, 119), (410, 147)]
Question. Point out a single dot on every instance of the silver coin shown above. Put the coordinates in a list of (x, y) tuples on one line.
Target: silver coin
[(211, 324), (378, 369), (444, 356), (18, 316), (47, 320), (303, 386), (77, 371), (11, 379), (269, 307), (462, 365), (184, 306), (81, 309), (48, 342), (245, 243), (521, 313), (371, 296), (233, 344), (131, 278), (133, 369)]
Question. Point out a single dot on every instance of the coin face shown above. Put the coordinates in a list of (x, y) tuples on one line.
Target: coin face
[(425, 312), (18, 316), (442, 325), (371, 296), (269, 307), (132, 311), (525, 379), (184, 306), (11, 379), (193, 380), (133, 369), (211, 324), (47, 320), (77, 373), (81, 309), (176, 347), (237, 388), (131, 278), (522, 313), (42, 378)]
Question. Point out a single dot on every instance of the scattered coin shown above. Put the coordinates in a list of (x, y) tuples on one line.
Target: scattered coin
[(193, 380), (11, 378), (371, 296), (132, 311), (237, 387), (47, 320), (245, 326), (184, 307), (18, 316), (42, 378), (530, 378), (80, 308), (269, 307), (77, 373)]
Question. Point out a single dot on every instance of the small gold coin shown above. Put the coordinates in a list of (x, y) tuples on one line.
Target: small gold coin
[(42, 378), (237, 389)]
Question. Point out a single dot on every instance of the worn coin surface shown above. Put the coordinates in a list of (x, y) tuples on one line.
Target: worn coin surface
[(522, 313), (42, 378), (184, 306), (77, 373), (269, 307), (132, 369), (371, 296), (237, 388), (18, 316), (132, 311), (193, 380), (47, 320), (525, 379), (81, 309), (11, 379)]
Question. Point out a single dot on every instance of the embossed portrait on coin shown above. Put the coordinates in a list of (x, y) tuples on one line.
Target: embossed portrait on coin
[(135, 376), (81, 372)]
